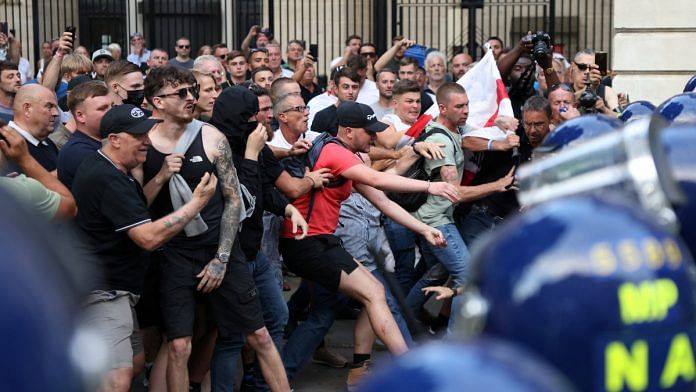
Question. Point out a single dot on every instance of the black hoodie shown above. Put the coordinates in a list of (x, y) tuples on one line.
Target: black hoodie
[(231, 113)]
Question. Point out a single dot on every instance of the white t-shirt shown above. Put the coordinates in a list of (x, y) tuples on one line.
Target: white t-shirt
[(280, 142), (400, 126), (286, 73), (319, 103), (368, 92), (24, 70)]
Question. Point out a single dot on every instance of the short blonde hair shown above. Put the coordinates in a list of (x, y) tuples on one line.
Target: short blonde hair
[(75, 63)]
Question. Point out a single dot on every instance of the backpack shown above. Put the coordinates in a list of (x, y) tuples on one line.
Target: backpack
[(295, 165), (411, 201)]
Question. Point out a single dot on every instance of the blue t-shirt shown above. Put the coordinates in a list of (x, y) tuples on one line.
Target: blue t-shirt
[(78, 147)]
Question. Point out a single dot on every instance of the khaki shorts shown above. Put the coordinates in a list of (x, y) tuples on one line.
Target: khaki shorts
[(112, 315)]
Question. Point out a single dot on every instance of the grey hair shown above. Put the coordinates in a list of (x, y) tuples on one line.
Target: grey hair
[(282, 104), (433, 54)]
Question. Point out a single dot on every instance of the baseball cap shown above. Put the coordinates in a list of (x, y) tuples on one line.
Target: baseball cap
[(125, 118), (358, 115), (101, 53)]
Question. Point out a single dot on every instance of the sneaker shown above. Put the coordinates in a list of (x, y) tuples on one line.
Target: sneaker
[(326, 357), (355, 375)]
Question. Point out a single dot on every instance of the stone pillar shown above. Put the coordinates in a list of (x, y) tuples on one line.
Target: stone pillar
[(653, 49)]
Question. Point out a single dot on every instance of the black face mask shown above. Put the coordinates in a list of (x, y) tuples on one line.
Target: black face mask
[(135, 97), (248, 127)]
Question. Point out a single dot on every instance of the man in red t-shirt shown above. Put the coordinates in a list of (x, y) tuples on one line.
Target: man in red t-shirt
[(320, 257)]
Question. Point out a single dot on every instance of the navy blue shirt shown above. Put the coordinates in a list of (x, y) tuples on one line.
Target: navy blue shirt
[(78, 147)]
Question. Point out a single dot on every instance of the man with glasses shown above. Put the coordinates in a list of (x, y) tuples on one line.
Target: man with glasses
[(183, 50), (207, 258), (584, 69), (220, 51)]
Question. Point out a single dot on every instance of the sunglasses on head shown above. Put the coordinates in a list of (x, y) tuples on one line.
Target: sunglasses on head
[(254, 50), (561, 86), (182, 93)]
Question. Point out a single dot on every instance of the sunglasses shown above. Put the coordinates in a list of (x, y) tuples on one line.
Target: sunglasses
[(299, 109), (182, 93), (184, 46), (369, 54), (581, 66)]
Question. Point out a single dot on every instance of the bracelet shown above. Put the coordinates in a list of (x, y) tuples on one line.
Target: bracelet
[(314, 184), (490, 145)]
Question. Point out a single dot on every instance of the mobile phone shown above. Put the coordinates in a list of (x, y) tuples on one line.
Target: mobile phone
[(71, 30), (3, 28), (601, 61), (314, 51)]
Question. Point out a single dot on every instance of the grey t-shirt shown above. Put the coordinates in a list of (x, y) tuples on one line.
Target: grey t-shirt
[(186, 65), (437, 211)]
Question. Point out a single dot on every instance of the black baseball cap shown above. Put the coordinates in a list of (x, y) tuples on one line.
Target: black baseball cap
[(126, 118), (358, 115)]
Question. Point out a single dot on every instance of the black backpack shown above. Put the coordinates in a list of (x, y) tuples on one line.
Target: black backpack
[(412, 201), (295, 165)]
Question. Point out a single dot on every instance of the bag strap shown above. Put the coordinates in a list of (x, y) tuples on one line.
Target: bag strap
[(433, 130)]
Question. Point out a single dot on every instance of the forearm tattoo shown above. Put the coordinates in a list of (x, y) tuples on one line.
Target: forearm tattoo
[(175, 221), (229, 184)]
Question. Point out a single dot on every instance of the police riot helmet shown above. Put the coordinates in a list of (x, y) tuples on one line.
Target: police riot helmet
[(486, 364), (679, 109), (575, 131), (690, 86), (595, 287), (636, 110)]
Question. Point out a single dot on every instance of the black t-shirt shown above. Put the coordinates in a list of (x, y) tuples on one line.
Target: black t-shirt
[(494, 165), (308, 95), (326, 121), (109, 203)]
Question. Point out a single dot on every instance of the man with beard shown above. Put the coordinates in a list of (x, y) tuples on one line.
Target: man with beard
[(10, 82), (207, 258), (459, 65), (385, 82)]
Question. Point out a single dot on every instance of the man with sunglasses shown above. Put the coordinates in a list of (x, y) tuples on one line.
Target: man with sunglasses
[(584, 69), (208, 257), (183, 50)]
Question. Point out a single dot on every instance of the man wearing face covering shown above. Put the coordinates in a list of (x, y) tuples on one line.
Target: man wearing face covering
[(207, 258), (235, 114), (125, 83)]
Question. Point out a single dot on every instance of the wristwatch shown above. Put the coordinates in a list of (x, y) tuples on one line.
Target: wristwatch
[(223, 257)]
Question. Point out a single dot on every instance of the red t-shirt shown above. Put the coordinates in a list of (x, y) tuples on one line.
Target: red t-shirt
[(327, 201)]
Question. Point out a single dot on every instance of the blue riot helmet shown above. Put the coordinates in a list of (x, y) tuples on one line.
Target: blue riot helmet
[(575, 131), (636, 110), (679, 109), (485, 364), (596, 288), (649, 161), (690, 86), (40, 290)]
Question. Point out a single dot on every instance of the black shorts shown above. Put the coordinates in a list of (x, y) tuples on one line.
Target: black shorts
[(148, 307), (235, 304), (320, 258)]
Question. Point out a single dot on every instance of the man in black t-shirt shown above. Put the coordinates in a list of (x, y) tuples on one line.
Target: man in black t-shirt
[(116, 231)]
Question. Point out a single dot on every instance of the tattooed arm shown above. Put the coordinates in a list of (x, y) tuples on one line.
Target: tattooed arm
[(213, 273), (152, 235)]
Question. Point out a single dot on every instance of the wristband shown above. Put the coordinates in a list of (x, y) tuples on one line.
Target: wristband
[(490, 145), (454, 292)]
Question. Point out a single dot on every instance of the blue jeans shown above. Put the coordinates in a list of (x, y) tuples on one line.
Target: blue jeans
[(309, 334), (454, 257), (476, 223), (275, 314), (403, 245)]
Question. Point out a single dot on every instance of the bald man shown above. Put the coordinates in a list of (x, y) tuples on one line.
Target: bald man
[(35, 112)]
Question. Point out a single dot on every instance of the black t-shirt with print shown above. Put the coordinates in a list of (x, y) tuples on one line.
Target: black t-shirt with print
[(109, 203)]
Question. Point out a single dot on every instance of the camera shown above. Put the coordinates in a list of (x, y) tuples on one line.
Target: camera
[(587, 101), (542, 45)]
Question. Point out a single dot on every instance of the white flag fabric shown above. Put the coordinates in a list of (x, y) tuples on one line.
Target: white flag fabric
[(488, 99)]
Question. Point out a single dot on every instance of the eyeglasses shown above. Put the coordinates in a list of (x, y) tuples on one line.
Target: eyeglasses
[(184, 46), (182, 93), (581, 66), (299, 109)]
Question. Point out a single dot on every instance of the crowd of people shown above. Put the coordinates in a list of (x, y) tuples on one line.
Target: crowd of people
[(194, 183)]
